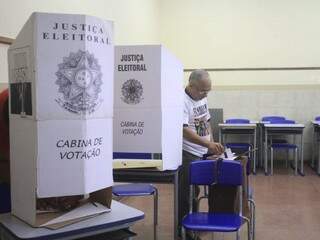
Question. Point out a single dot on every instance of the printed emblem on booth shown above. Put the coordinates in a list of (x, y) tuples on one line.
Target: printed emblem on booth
[(79, 81), (132, 91)]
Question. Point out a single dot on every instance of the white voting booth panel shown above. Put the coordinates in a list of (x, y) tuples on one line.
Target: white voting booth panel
[(81, 147), (61, 109), (69, 56), (148, 99)]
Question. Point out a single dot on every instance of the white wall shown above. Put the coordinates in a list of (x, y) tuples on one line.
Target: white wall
[(135, 22), (264, 78), (246, 33), (249, 34)]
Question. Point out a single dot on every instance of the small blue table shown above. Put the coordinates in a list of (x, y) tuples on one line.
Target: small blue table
[(120, 217)]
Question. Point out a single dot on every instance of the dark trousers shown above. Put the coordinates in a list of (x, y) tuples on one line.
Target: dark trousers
[(184, 187)]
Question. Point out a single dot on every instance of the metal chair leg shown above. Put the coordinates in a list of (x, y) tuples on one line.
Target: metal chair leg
[(183, 233), (253, 217), (266, 158), (318, 162), (155, 213), (296, 161), (271, 158), (248, 229)]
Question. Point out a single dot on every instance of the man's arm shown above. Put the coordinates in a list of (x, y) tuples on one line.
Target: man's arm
[(191, 136)]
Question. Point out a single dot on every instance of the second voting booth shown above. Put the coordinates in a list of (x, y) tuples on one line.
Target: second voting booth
[(148, 108)]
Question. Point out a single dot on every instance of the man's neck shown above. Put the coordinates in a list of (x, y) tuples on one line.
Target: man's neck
[(188, 91)]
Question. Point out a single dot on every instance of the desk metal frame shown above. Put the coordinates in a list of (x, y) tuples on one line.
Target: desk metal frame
[(153, 176), (315, 145), (283, 129), (120, 217), (240, 129)]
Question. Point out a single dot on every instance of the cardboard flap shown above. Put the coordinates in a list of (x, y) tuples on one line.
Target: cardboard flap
[(103, 196), (66, 223), (87, 210)]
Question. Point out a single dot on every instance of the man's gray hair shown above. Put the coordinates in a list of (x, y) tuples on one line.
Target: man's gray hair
[(197, 75)]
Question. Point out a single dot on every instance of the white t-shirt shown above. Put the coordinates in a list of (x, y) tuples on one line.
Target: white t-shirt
[(196, 116)]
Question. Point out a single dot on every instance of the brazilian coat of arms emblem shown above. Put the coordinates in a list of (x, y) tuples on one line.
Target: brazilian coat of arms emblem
[(79, 80), (132, 91)]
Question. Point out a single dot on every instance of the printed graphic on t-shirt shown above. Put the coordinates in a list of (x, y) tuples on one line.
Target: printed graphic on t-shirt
[(202, 126), (200, 110)]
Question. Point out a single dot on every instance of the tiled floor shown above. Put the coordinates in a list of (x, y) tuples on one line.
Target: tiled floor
[(288, 208)]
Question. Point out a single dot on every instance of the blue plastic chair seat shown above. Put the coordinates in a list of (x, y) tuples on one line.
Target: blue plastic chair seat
[(244, 146), (216, 222), (285, 121), (137, 189), (271, 118), (237, 121), (284, 145)]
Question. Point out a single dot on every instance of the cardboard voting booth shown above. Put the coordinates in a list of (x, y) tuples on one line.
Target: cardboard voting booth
[(61, 109), (148, 108)]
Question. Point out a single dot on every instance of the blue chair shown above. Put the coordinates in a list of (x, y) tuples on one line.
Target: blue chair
[(243, 147), (140, 189), (284, 146), (5, 199), (250, 197), (208, 172), (273, 119), (239, 147), (282, 121), (238, 121), (270, 118)]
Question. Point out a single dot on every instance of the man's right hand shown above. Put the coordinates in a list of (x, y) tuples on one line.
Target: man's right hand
[(215, 148)]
